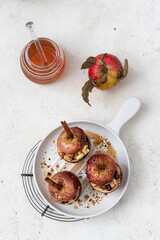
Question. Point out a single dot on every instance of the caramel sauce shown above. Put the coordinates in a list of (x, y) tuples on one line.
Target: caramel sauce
[(66, 166), (47, 173), (86, 197), (84, 168), (77, 166), (112, 153), (57, 166), (84, 184), (97, 139), (99, 152), (75, 207)]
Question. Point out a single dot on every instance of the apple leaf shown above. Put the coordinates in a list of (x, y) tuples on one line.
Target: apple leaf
[(95, 82), (125, 69), (120, 73), (88, 86), (90, 62), (104, 78), (104, 55)]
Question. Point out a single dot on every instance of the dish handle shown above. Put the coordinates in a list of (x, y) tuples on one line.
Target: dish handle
[(129, 108)]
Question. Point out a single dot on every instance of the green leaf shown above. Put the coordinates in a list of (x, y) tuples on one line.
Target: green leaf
[(86, 89), (90, 62)]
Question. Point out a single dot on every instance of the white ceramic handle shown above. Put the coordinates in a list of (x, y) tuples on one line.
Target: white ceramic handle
[(129, 108)]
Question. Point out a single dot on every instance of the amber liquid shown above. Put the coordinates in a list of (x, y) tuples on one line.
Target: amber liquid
[(35, 58), (36, 70), (98, 141)]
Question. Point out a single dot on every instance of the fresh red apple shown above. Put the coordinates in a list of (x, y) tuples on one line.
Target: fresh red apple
[(64, 187), (105, 72)]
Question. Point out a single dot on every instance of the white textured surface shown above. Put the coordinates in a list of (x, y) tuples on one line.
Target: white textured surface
[(29, 111)]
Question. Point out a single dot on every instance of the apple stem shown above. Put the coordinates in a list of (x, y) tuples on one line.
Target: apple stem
[(67, 129), (52, 183)]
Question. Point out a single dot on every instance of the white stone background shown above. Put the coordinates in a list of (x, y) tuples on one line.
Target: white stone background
[(29, 111)]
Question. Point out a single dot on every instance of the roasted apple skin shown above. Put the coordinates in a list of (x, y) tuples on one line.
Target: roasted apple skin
[(100, 169), (71, 186), (75, 160), (102, 189), (74, 144)]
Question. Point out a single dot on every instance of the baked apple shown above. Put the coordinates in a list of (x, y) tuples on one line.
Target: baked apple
[(104, 174), (73, 144), (64, 187)]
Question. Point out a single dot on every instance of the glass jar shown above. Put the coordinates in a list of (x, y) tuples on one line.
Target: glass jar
[(34, 69)]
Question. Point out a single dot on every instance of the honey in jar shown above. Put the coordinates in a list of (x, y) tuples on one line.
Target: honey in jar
[(34, 68)]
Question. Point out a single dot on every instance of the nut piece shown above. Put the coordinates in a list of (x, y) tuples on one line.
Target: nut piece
[(77, 156), (81, 153), (67, 158)]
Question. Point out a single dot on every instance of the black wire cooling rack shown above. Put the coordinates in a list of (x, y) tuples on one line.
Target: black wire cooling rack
[(33, 194)]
